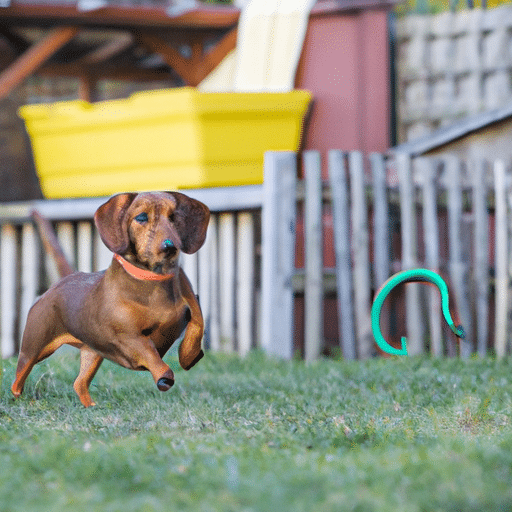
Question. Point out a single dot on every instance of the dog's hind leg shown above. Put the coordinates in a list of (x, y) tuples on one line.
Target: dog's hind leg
[(90, 361), (42, 336)]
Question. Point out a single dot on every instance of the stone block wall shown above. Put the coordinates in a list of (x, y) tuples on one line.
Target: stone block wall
[(451, 65)]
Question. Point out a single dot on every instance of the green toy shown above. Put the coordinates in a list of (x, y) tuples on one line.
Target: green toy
[(407, 276)]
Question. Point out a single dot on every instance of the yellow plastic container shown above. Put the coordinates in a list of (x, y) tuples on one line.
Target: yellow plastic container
[(161, 140)]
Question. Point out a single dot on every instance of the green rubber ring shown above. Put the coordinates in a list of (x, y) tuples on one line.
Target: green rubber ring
[(407, 276)]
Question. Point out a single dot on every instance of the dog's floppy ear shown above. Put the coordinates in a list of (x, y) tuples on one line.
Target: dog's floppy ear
[(112, 223), (191, 219)]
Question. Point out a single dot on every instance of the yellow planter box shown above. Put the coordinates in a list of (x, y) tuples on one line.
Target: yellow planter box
[(161, 140)]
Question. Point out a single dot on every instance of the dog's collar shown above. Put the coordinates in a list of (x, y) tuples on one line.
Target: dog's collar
[(140, 273)]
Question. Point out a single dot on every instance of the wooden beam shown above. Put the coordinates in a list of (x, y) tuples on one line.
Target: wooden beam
[(171, 56), (200, 65), (108, 50), (111, 72), (33, 58), (202, 17), (213, 58)]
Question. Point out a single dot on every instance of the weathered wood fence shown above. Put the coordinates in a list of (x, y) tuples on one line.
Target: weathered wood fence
[(353, 227)]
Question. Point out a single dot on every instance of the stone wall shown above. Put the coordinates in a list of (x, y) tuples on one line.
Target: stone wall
[(450, 66)]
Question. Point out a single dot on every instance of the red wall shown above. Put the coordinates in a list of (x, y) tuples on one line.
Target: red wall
[(345, 63)]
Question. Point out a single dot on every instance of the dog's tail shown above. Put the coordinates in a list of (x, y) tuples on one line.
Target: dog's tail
[(51, 244)]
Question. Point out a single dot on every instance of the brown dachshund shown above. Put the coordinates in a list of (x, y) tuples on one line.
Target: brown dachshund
[(135, 310)]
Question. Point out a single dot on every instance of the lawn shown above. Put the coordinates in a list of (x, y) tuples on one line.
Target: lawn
[(259, 434)]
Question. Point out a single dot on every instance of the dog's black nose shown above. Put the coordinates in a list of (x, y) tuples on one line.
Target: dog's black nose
[(164, 383), (168, 246)]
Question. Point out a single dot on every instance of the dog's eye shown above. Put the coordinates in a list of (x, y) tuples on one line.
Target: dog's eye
[(142, 218), (171, 217)]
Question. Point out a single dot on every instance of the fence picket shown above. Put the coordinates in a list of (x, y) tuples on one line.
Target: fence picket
[(84, 247), (313, 292), (501, 245), (410, 254), (245, 282), (481, 248), (381, 219), (459, 270), (8, 258), (214, 324), (29, 272), (227, 280), (427, 170), (341, 215), (361, 254)]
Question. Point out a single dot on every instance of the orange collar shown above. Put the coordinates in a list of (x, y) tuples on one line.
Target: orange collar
[(140, 273)]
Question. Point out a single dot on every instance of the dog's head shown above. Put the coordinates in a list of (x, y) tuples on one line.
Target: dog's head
[(151, 228)]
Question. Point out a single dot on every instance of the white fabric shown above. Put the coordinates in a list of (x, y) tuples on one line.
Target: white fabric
[(270, 38)]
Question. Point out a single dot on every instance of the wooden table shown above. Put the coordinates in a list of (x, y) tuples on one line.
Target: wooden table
[(112, 42)]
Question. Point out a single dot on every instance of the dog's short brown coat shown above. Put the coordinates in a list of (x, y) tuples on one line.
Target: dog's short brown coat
[(114, 315)]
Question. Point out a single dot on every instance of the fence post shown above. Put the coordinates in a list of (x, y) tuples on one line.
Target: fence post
[(313, 291), (341, 216), (278, 252)]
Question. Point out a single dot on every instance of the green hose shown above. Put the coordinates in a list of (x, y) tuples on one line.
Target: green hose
[(408, 276)]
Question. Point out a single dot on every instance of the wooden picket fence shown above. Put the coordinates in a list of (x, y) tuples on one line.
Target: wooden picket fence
[(376, 214), (389, 214)]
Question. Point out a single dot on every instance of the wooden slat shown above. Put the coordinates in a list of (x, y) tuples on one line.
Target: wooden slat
[(381, 219), (29, 272), (34, 57), (278, 253), (361, 254), (459, 266), (415, 331), (427, 169), (340, 207), (227, 280), (188, 263), (214, 320), (205, 271), (313, 294), (501, 259), (481, 248), (84, 246), (8, 242), (245, 282), (103, 256), (66, 237)]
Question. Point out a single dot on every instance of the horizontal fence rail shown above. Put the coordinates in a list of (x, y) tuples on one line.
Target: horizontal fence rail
[(277, 253)]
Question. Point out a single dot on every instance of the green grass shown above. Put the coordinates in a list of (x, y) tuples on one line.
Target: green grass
[(258, 434)]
